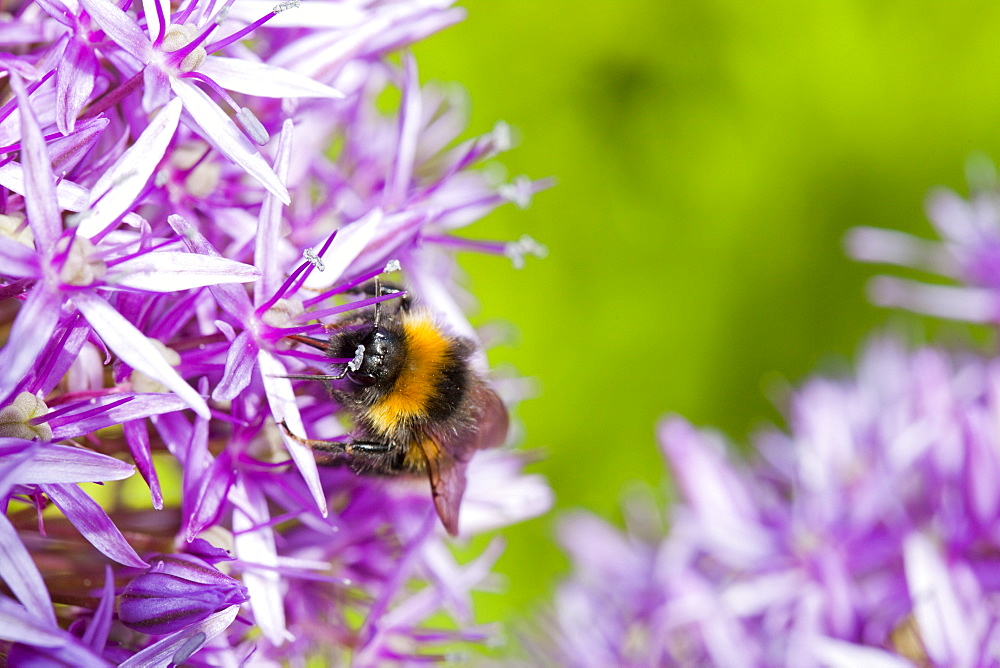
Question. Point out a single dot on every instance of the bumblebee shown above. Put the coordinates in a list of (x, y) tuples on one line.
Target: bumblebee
[(416, 403)]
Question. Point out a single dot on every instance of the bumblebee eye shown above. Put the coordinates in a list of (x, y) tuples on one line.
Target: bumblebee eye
[(360, 379)]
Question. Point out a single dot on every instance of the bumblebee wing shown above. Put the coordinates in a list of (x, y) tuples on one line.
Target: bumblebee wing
[(447, 483), (491, 418), (448, 452)]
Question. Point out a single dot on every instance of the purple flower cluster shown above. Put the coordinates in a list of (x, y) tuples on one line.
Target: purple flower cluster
[(867, 534), (182, 186)]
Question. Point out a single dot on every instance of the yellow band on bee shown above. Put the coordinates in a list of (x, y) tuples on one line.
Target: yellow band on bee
[(427, 350)]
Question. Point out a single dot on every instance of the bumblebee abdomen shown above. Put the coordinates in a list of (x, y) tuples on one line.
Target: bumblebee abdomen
[(430, 383)]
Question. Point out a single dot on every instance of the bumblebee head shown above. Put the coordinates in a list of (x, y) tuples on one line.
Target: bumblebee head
[(377, 358)]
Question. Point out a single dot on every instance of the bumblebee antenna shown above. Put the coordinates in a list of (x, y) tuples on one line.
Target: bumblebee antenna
[(353, 365), (378, 305), (311, 376)]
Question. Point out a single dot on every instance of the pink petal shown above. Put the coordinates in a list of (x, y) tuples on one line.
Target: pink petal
[(284, 407), (169, 271), (138, 444), (945, 628), (115, 192), (74, 83), (40, 195), (207, 495), (715, 493), (122, 30), (28, 336), (19, 261), (141, 405), (53, 463), (263, 80), (17, 625), (240, 363), (66, 152), (18, 570), (153, 25), (269, 226), (254, 544), (90, 520), (232, 299), (96, 635), (156, 91), (941, 301), (69, 196), (177, 648), (219, 130), (409, 129)]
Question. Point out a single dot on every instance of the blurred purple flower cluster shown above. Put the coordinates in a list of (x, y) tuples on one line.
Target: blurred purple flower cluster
[(867, 534), (182, 185)]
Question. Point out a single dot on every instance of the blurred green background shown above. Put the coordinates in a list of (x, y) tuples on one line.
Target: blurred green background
[(710, 156)]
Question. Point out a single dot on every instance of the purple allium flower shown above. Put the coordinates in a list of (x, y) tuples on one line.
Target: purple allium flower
[(968, 254), (182, 187), (865, 535)]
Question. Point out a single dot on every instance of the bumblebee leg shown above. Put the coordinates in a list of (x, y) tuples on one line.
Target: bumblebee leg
[(370, 455), (326, 447), (321, 378), (373, 457), (367, 448)]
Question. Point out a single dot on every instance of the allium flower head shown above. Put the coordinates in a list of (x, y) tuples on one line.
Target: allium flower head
[(865, 535), (183, 186)]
